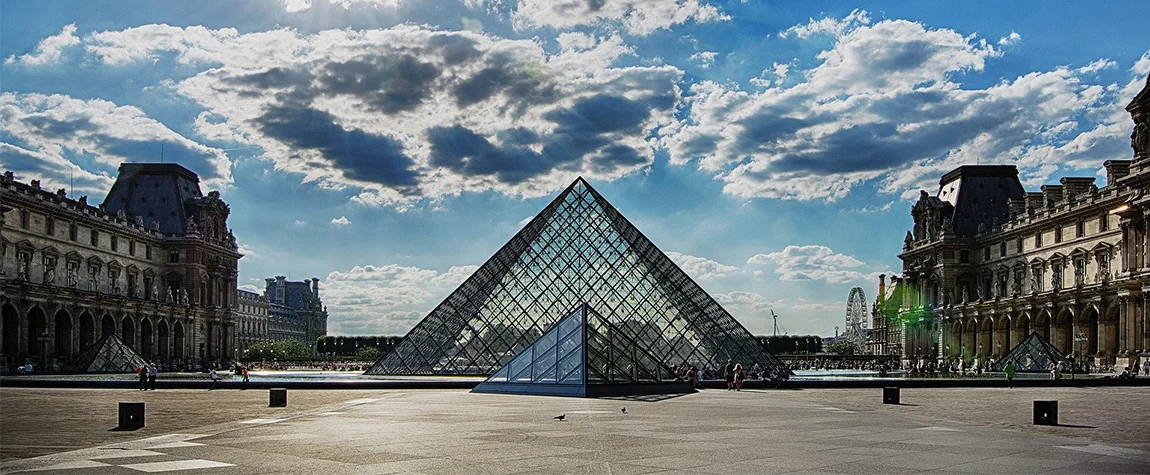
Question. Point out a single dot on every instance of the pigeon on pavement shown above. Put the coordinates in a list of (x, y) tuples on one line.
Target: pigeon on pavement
[(559, 417), (624, 410)]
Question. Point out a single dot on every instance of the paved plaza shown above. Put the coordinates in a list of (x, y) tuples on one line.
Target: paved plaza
[(1105, 430)]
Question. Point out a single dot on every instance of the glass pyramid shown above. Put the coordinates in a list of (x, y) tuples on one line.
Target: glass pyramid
[(579, 249), (584, 355), (108, 355), (1033, 354)]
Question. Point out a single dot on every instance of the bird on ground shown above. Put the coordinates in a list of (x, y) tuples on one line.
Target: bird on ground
[(560, 417), (624, 410)]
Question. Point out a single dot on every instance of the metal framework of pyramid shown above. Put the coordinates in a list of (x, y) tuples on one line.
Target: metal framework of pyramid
[(108, 355), (579, 249), (584, 355), (1034, 354)]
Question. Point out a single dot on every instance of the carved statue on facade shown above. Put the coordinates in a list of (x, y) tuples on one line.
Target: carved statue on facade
[(50, 275), (947, 225), (171, 298), (183, 297), (1140, 139), (155, 293), (73, 278), (908, 242), (192, 227), (1016, 288), (965, 295), (1033, 283)]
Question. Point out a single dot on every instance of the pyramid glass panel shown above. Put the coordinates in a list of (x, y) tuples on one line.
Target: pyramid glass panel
[(1033, 355), (578, 249), (108, 355), (595, 358)]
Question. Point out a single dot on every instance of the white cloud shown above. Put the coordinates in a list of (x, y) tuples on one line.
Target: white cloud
[(387, 299), (341, 221), (56, 129), (1098, 66), (1011, 39), (638, 17), (797, 316), (300, 223), (444, 113), (881, 106), (814, 263), (828, 26), (49, 49), (701, 267), (292, 6), (251, 288), (705, 58)]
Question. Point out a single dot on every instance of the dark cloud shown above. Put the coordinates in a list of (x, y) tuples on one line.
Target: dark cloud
[(455, 49), (504, 75), (601, 114), (462, 150), (152, 150), (388, 83), (52, 128), (361, 156), (274, 78)]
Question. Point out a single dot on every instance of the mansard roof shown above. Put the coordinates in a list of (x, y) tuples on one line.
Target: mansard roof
[(156, 191), (1141, 101), (981, 195)]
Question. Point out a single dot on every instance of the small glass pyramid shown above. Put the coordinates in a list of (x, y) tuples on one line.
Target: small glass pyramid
[(579, 249), (1033, 355), (584, 355), (108, 355)]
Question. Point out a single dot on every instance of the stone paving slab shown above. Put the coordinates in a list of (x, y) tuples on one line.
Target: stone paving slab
[(453, 432)]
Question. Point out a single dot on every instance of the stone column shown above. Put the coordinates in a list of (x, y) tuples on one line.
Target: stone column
[(1125, 314), (50, 342), (21, 334), (76, 333)]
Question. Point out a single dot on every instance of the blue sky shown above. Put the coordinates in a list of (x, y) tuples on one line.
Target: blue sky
[(389, 147)]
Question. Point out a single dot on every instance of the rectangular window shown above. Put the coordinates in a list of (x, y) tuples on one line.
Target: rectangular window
[(23, 219), (94, 238), (148, 251), (1038, 239), (174, 256), (1057, 234), (986, 254), (131, 247), (964, 257), (73, 231), (1018, 245), (115, 243), (1002, 249), (49, 226), (1104, 222), (1080, 229)]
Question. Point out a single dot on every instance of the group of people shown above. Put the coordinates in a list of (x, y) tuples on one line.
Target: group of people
[(736, 375), (147, 373)]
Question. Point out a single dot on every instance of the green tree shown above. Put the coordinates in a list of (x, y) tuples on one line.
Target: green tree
[(367, 353), (844, 348), (278, 350)]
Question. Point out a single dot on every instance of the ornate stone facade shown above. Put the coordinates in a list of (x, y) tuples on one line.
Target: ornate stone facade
[(252, 320), (988, 262), (155, 264), (296, 311)]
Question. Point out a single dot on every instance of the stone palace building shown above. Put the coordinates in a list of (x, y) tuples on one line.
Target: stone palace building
[(154, 264), (989, 262)]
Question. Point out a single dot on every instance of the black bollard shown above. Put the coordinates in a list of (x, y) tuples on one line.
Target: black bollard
[(1046, 413), (890, 395), (277, 397), (131, 415)]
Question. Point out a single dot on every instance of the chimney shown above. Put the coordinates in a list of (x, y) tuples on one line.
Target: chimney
[(1052, 194), (1115, 170), (315, 287), (1035, 200), (881, 289), (1077, 186)]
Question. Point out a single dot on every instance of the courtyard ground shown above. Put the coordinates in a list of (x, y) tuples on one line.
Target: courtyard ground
[(952, 430)]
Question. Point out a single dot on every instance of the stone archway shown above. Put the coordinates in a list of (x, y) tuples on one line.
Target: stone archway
[(1021, 329), (1108, 337), (11, 340), (146, 349), (107, 326), (1042, 324), (1062, 331), (1002, 337), (969, 338), (985, 338), (37, 325), (1088, 324), (164, 340), (178, 340), (87, 330), (954, 340), (63, 337), (128, 332)]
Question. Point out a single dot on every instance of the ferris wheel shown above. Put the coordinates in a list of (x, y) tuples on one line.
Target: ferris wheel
[(855, 330)]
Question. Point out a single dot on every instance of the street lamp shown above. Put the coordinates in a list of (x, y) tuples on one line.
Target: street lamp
[(43, 339)]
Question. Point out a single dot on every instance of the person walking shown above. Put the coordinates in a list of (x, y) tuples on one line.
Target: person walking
[(1010, 374), (142, 371), (245, 370), (740, 375), (729, 371), (215, 379), (153, 372)]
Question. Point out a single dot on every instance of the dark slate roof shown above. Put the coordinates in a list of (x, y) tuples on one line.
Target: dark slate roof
[(298, 295), (156, 191), (979, 194)]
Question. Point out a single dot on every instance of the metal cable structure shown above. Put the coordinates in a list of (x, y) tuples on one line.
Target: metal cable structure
[(855, 330)]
